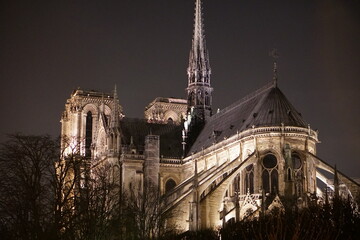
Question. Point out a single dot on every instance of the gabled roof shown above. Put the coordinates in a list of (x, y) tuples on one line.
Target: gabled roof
[(267, 106), (170, 135)]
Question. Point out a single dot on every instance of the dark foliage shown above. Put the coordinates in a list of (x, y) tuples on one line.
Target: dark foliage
[(335, 221), (339, 220)]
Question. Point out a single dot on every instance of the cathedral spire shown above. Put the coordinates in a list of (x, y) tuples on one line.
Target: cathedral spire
[(199, 89), (199, 59)]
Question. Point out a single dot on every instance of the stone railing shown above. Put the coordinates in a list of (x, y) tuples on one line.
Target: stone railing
[(279, 129), (134, 156), (170, 160)]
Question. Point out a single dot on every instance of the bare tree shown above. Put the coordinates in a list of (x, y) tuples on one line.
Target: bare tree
[(144, 218), (65, 182), (26, 166), (99, 208), (87, 197)]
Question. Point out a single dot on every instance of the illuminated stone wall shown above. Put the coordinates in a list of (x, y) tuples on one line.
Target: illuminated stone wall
[(166, 110)]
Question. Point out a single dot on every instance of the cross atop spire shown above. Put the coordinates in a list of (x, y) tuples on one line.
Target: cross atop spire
[(275, 55)]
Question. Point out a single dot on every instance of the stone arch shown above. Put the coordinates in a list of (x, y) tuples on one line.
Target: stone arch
[(171, 115), (165, 178), (90, 107), (170, 184), (229, 168), (107, 110), (87, 134), (212, 204)]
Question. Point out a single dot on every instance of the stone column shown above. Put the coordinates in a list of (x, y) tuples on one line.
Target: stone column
[(152, 160)]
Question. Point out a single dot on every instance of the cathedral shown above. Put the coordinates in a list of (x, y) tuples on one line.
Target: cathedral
[(209, 167)]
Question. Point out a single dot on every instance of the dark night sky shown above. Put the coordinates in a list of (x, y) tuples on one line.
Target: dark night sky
[(49, 48)]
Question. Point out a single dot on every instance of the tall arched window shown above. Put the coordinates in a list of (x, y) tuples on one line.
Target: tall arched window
[(270, 174), (88, 134), (169, 185), (235, 186), (249, 179), (207, 99), (191, 99), (298, 173)]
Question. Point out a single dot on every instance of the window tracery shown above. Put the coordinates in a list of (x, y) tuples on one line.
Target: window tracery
[(249, 179), (270, 175)]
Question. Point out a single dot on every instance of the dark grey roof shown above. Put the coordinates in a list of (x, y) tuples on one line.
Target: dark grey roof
[(265, 107), (170, 135)]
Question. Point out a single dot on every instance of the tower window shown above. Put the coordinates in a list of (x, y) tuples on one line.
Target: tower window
[(88, 134), (207, 99), (191, 99)]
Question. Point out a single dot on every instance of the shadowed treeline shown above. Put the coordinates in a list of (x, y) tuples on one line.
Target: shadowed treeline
[(338, 220)]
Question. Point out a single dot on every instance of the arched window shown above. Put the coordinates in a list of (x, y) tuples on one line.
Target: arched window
[(169, 185), (88, 134), (191, 99), (270, 174), (170, 120), (199, 98), (207, 99), (298, 173), (235, 186), (296, 161), (249, 179)]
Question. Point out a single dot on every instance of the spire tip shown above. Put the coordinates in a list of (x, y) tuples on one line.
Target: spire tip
[(275, 55)]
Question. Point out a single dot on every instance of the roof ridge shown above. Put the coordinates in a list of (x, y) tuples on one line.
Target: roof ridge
[(256, 108), (245, 99)]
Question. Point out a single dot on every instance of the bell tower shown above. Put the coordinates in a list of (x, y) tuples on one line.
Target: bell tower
[(199, 89)]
